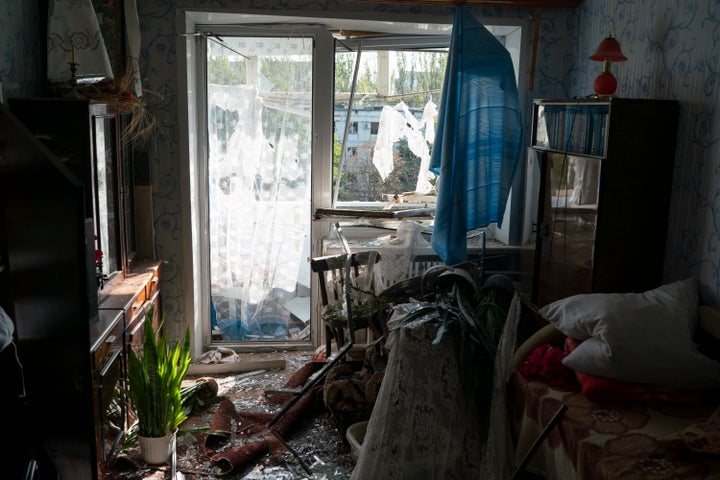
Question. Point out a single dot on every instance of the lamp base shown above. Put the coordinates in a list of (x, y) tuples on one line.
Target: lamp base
[(605, 84)]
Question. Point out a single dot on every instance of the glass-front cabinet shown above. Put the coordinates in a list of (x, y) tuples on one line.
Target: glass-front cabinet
[(86, 137), (105, 191), (569, 224), (605, 177)]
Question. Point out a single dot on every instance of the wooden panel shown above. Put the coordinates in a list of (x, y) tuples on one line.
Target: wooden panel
[(493, 3)]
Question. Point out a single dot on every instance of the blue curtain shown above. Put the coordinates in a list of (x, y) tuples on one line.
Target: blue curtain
[(477, 142)]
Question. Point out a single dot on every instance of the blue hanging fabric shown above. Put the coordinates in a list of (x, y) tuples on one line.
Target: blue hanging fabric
[(478, 137)]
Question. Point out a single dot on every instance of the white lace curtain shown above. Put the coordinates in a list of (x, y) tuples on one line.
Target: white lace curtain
[(398, 122), (259, 206)]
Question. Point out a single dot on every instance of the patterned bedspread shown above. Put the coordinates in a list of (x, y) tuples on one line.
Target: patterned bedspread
[(606, 440)]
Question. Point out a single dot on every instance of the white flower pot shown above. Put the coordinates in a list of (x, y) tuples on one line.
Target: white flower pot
[(157, 450)]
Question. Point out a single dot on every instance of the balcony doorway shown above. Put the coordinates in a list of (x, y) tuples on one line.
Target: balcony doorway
[(259, 158)]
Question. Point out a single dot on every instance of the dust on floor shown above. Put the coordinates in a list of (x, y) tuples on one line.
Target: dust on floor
[(315, 449)]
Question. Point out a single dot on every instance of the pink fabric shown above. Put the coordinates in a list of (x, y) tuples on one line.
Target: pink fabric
[(545, 362)]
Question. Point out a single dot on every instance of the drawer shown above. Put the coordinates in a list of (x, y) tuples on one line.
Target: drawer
[(138, 304), (110, 405), (153, 283), (134, 330), (106, 347)]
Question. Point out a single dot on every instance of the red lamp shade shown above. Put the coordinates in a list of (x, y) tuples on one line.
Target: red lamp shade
[(608, 51)]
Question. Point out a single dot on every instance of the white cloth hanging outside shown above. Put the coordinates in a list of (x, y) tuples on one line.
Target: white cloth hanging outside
[(398, 122)]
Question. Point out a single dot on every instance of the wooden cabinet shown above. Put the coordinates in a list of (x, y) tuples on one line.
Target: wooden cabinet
[(129, 299), (47, 288), (65, 180), (108, 371), (605, 180), (87, 138)]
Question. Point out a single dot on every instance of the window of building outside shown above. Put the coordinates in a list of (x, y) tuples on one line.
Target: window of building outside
[(262, 105)]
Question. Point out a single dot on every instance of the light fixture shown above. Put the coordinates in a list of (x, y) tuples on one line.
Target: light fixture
[(75, 46), (608, 51)]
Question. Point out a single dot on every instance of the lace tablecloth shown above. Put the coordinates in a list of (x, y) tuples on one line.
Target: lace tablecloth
[(423, 426)]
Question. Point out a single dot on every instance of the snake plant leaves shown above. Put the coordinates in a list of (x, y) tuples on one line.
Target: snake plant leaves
[(155, 380)]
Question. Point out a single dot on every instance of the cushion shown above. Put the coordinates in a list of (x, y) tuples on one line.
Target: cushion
[(637, 337), (601, 389)]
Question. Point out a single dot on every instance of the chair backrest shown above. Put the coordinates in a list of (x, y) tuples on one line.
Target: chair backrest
[(332, 272)]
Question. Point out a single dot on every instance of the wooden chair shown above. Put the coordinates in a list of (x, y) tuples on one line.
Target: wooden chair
[(332, 273)]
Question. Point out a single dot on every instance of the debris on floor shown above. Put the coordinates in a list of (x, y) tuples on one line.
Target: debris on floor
[(241, 448)]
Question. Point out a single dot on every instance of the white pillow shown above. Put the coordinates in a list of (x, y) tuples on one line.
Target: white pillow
[(637, 337)]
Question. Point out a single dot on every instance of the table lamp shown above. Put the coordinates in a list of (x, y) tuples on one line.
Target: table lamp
[(608, 51)]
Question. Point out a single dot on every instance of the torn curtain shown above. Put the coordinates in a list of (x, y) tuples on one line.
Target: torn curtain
[(478, 137)]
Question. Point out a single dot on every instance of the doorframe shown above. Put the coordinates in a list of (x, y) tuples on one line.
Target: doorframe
[(198, 260), (195, 258)]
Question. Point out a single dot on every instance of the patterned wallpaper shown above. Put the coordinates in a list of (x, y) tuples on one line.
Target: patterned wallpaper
[(22, 63), (675, 55), (672, 50)]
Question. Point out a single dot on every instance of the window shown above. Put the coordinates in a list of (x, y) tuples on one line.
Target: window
[(312, 132), (398, 89)]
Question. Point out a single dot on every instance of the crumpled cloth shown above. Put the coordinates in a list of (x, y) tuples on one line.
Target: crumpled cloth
[(6, 330), (219, 355), (545, 362), (398, 122)]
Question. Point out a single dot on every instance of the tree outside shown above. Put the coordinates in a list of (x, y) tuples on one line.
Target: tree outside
[(416, 77), (361, 180)]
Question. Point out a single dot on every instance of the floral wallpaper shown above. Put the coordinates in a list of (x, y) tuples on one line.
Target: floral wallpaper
[(22, 63), (672, 50)]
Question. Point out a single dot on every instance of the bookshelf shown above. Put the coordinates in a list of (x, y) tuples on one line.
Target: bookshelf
[(575, 128)]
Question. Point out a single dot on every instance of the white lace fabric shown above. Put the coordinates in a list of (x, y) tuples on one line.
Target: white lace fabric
[(422, 426)]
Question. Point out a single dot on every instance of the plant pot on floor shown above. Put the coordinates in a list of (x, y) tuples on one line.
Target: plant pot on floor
[(157, 450), (155, 376)]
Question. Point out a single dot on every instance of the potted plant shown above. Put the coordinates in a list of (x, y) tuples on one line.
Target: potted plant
[(155, 378)]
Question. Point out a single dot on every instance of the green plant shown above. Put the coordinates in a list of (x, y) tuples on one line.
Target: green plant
[(475, 316), (155, 381)]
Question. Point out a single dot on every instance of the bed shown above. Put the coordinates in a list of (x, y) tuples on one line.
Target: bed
[(640, 399)]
